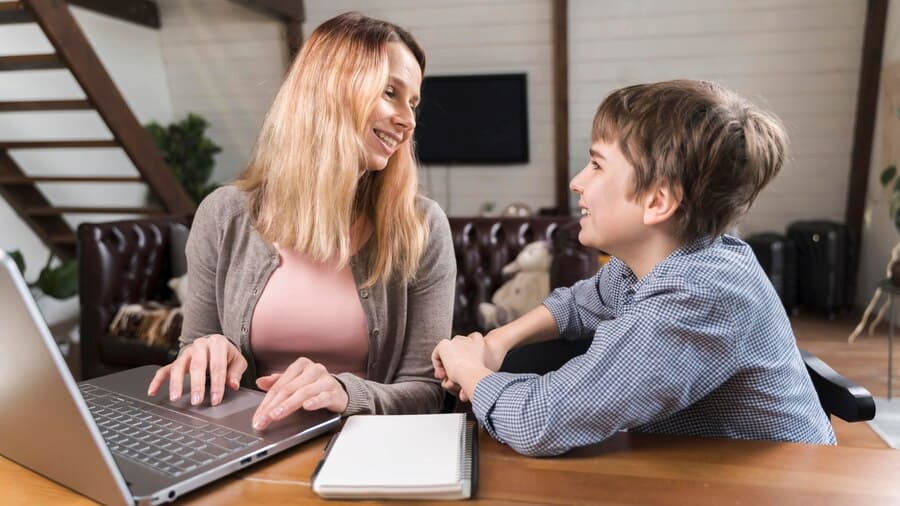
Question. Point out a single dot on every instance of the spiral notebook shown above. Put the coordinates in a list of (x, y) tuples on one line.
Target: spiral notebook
[(400, 457)]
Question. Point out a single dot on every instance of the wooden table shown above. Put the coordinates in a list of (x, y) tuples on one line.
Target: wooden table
[(626, 469)]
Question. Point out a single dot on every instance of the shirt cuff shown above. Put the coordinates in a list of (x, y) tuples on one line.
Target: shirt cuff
[(487, 391), (560, 303)]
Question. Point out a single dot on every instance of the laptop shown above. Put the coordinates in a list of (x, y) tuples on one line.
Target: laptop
[(108, 440)]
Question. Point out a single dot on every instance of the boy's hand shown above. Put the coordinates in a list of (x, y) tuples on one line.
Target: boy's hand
[(461, 363)]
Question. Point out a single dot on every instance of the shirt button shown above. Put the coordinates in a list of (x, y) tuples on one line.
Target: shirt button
[(376, 332), (244, 329), (255, 291), (364, 294)]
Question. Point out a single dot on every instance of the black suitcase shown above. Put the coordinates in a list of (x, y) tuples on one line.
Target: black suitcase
[(824, 264), (778, 257)]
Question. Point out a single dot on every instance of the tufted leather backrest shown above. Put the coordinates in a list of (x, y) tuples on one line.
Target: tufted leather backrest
[(120, 262), (483, 245)]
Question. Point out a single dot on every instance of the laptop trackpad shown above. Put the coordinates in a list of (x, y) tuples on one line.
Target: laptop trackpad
[(234, 402)]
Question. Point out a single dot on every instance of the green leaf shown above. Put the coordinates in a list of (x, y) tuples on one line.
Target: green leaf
[(888, 174), (187, 152), (17, 257), (59, 282)]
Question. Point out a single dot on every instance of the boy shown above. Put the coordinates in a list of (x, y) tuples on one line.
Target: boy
[(689, 337)]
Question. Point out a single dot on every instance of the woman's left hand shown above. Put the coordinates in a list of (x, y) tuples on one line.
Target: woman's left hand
[(304, 384)]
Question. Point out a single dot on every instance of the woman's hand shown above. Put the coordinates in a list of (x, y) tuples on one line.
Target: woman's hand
[(304, 384), (462, 362), (215, 353)]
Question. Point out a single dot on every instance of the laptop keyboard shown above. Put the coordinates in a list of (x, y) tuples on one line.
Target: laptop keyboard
[(169, 442)]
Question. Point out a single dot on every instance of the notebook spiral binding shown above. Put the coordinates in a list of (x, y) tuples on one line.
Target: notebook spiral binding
[(468, 463)]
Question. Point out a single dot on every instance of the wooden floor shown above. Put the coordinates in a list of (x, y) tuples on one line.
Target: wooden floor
[(863, 362)]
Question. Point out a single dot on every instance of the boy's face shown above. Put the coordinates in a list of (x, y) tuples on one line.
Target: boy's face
[(611, 216)]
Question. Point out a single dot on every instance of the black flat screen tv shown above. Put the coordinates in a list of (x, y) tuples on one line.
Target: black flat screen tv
[(473, 119)]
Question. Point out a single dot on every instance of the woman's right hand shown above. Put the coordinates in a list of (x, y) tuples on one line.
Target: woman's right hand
[(215, 353)]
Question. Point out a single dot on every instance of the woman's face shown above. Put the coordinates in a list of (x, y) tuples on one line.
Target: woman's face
[(393, 119)]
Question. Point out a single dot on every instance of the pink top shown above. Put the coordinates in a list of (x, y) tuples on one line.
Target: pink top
[(309, 310)]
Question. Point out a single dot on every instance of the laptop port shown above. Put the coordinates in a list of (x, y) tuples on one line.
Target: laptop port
[(246, 461), (262, 454), (171, 494)]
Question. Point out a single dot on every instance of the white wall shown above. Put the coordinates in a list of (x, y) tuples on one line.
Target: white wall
[(478, 37), (224, 62), (879, 234), (131, 54), (798, 58)]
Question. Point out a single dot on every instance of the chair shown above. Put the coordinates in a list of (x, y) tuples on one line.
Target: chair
[(838, 395), (121, 262)]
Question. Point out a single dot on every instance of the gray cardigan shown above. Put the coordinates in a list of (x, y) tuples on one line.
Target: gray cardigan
[(229, 264)]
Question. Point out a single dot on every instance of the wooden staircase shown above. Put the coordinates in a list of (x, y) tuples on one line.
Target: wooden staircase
[(73, 52)]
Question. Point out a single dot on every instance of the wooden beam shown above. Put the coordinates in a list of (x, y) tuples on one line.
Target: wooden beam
[(864, 131), (142, 12), (293, 31), (561, 103), (289, 10)]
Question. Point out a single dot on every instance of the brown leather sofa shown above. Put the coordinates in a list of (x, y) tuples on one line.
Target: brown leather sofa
[(484, 245), (127, 262), (121, 262)]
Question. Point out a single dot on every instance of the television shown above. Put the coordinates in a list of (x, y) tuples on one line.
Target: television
[(473, 119)]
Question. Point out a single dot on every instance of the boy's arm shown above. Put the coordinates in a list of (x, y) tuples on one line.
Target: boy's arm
[(651, 362), (534, 326)]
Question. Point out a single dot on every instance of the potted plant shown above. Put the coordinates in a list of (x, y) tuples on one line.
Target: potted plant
[(188, 153), (59, 282)]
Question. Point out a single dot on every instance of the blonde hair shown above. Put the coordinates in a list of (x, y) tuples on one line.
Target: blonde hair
[(306, 181), (707, 141)]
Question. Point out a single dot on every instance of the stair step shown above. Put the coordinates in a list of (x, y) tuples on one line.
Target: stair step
[(57, 210), (58, 144), (63, 239), (14, 12), (18, 180), (31, 62), (45, 105)]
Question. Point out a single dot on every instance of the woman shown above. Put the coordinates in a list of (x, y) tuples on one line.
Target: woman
[(323, 249)]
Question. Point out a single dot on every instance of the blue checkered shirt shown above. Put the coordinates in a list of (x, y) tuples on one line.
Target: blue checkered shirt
[(701, 346)]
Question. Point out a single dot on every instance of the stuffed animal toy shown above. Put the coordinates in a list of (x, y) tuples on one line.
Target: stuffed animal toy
[(528, 287)]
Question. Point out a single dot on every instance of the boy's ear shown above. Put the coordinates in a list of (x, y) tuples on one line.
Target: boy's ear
[(661, 203)]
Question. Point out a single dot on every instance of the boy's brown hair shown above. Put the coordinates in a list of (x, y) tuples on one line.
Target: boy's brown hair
[(710, 145)]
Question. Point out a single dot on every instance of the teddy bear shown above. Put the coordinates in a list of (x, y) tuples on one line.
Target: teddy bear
[(529, 286)]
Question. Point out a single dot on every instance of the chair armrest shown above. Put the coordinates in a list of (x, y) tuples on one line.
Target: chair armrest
[(838, 395)]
